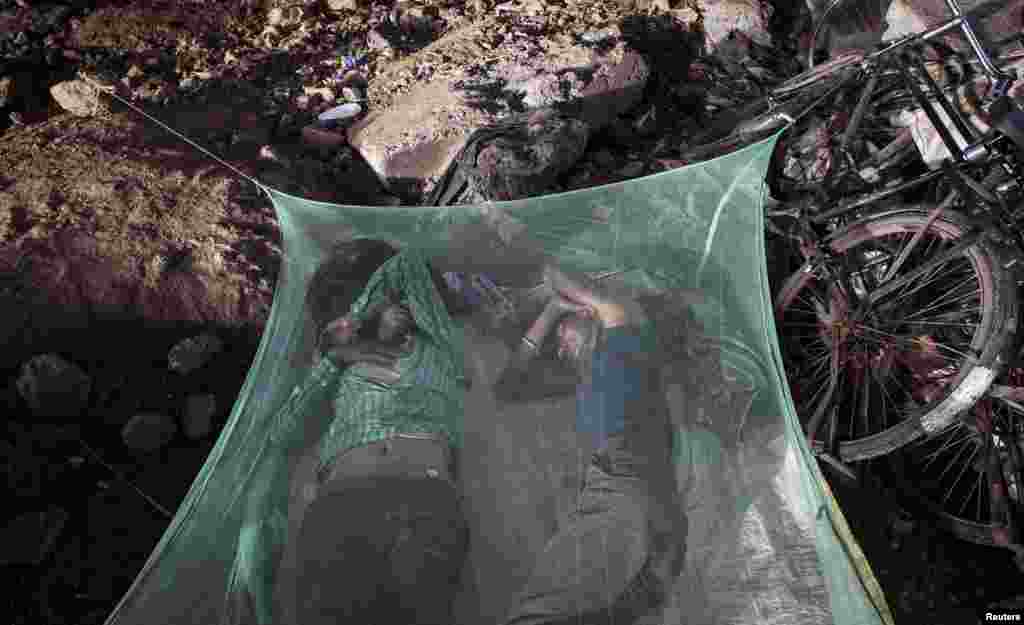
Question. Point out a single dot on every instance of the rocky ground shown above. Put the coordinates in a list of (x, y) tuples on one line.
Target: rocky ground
[(115, 233)]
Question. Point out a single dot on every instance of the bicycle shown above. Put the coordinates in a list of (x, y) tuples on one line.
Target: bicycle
[(970, 476), (893, 319)]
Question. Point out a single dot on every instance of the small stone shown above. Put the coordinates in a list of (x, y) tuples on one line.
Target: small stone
[(198, 415), (597, 35), (322, 138), (324, 92), (268, 153), (148, 431), (377, 41), (193, 353), (54, 387), (343, 5), (6, 90), (353, 94)]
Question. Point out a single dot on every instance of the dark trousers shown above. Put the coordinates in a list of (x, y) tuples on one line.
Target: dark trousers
[(613, 561), (383, 540)]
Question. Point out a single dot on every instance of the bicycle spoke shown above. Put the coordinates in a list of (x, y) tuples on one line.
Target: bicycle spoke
[(949, 492), (926, 280), (977, 488), (953, 436), (911, 342)]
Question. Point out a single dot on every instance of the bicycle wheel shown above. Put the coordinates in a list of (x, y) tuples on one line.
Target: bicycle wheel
[(870, 383), (969, 476), (843, 25)]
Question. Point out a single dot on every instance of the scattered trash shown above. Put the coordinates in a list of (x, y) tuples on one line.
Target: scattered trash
[(597, 35), (332, 118), (351, 62)]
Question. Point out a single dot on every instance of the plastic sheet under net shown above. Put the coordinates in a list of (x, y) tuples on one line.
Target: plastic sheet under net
[(753, 534)]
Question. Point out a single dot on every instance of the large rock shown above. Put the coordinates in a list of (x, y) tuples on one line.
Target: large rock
[(77, 97), (53, 387), (424, 109), (722, 17)]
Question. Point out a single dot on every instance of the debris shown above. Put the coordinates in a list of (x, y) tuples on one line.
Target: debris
[(315, 136), (339, 114)]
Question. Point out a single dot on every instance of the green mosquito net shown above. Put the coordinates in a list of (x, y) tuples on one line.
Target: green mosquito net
[(765, 541)]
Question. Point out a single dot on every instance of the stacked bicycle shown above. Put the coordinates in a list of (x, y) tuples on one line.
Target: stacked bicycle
[(897, 265)]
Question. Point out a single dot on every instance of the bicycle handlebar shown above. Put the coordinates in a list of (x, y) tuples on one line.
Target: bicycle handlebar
[(1001, 81)]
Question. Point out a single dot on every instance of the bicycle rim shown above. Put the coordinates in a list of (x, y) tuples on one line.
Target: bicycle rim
[(970, 475), (924, 354)]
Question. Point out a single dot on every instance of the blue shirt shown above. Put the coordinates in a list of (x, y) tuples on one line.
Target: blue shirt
[(618, 380)]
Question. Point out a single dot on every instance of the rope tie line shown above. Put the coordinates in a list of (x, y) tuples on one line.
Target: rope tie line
[(109, 90)]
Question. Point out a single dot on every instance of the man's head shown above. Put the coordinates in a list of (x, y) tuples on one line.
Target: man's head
[(577, 338), (340, 279)]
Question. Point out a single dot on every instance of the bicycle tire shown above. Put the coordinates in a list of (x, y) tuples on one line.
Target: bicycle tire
[(909, 475), (991, 336)]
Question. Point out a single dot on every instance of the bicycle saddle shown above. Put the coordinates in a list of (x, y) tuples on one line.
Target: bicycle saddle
[(1008, 118)]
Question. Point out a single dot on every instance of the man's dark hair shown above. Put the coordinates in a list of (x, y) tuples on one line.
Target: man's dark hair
[(340, 279)]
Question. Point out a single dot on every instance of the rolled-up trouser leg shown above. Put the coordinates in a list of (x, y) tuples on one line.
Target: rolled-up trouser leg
[(605, 565)]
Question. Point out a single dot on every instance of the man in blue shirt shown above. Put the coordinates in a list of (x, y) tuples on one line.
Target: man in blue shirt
[(616, 557)]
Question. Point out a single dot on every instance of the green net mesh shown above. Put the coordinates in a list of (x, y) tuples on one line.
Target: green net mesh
[(764, 543)]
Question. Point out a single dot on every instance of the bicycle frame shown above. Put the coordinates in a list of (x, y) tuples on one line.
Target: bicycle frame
[(979, 150), (1001, 82)]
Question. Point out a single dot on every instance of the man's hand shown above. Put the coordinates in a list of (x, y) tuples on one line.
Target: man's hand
[(380, 361), (342, 331), (612, 312), (372, 352)]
